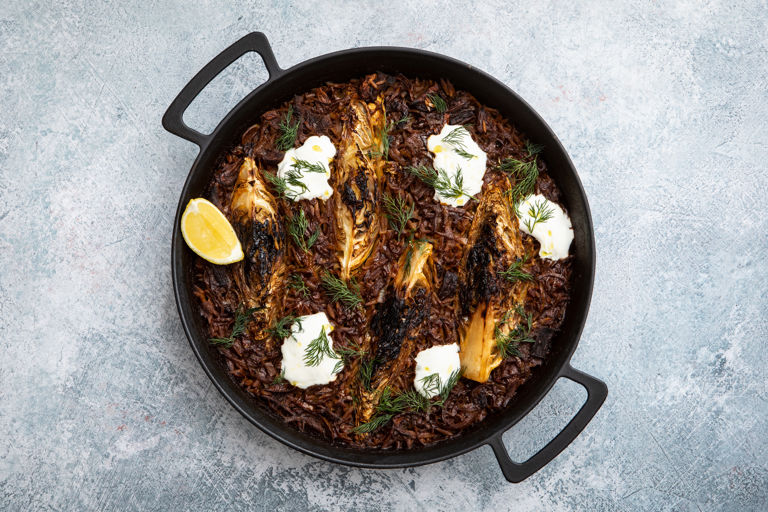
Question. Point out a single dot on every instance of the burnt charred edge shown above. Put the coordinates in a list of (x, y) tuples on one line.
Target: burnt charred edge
[(361, 180), (262, 248), (480, 282), (349, 198), (393, 320)]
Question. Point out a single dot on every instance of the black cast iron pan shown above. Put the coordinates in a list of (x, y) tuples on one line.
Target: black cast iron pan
[(341, 66)]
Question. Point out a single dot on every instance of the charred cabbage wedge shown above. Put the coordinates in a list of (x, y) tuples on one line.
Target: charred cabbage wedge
[(357, 180), (405, 305), (485, 300), (260, 277)]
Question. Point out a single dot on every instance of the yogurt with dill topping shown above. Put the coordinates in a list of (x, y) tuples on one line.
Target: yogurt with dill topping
[(319, 153), (304, 331), (462, 161), (554, 234), (442, 360)]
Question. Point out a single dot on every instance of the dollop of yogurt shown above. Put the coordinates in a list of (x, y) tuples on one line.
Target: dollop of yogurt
[(442, 360), (305, 331), (316, 151), (462, 161), (554, 234)]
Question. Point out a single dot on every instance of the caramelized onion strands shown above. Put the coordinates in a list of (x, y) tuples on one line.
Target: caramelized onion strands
[(332, 412)]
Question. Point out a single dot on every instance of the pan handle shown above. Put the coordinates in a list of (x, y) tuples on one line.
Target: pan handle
[(517, 472), (173, 119)]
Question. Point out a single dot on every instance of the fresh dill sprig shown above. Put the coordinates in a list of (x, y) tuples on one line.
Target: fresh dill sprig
[(280, 184), (347, 353), (438, 179), (455, 137), (306, 166), (367, 364), (373, 424), (508, 344), (293, 178), (280, 377), (411, 400), (385, 137), (384, 134), (525, 174), (296, 282), (288, 131), (398, 211), (515, 271), (338, 290), (282, 327), (465, 154), (319, 348), (242, 316), (439, 103), (533, 149), (445, 389), (297, 228), (540, 211)]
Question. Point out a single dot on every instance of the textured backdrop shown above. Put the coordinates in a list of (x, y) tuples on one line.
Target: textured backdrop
[(663, 109)]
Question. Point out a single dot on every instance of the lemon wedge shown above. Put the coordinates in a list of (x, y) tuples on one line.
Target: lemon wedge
[(208, 232)]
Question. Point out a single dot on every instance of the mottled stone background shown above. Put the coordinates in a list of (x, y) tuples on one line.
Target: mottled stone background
[(662, 106)]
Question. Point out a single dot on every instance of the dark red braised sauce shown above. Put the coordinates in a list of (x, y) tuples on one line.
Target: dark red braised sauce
[(327, 411)]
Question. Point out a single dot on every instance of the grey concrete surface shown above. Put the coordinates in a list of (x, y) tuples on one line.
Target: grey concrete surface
[(662, 106)]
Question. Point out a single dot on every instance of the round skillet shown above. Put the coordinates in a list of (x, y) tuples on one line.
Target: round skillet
[(338, 67)]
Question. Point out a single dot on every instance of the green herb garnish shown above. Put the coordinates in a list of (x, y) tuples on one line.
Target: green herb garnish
[(296, 282), (301, 166), (391, 404), (280, 184), (288, 131), (515, 271), (280, 377), (282, 327), (446, 186), (338, 290), (465, 154), (533, 149), (373, 424), (242, 316), (385, 139), (455, 137), (508, 343), (347, 353), (525, 172), (318, 348), (293, 178), (398, 211), (439, 103), (539, 211), (367, 365), (297, 228)]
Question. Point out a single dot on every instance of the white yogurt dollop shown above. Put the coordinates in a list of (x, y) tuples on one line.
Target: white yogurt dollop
[(442, 360), (455, 152), (305, 330), (315, 151), (554, 234)]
